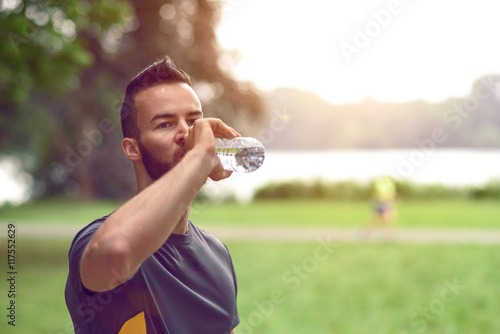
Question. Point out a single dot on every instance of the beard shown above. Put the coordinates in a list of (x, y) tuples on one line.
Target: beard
[(155, 166)]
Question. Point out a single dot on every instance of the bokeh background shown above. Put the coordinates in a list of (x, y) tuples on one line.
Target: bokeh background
[(340, 93)]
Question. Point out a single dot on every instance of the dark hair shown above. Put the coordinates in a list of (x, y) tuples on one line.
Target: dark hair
[(160, 72)]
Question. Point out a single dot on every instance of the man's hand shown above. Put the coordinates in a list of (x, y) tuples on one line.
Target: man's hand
[(201, 137)]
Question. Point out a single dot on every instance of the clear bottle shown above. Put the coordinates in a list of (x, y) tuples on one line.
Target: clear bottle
[(240, 154)]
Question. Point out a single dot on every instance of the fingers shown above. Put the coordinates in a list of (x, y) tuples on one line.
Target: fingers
[(202, 134), (220, 129), (202, 127)]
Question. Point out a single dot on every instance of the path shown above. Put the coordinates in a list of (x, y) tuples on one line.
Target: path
[(58, 231)]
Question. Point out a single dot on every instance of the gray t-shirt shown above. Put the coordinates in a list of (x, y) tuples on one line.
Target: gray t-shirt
[(188, 286)]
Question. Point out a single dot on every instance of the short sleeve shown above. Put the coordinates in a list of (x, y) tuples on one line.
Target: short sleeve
[(236, 319), (75, 254)]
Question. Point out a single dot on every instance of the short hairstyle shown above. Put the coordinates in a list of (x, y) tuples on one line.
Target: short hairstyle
[(160, 72)]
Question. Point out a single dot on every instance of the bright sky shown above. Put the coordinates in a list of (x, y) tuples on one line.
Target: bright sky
[(347, 50)]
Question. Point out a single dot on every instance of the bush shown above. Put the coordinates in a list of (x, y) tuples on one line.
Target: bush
[(409, 190), (349, 190), (317, 189), (284, 190), (490, 190)]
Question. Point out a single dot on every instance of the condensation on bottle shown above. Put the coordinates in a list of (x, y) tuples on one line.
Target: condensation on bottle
[(240, 154)]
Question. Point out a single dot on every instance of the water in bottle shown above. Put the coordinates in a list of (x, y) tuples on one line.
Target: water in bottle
[(240, 154)]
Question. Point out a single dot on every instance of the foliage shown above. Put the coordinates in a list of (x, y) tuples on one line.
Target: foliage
[(409, 191), (351, 190), (489, 190), (40, 47), (47, 53), (318, 189)]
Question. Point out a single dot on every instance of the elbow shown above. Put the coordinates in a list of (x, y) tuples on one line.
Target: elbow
[(106, 264), (117, 257)]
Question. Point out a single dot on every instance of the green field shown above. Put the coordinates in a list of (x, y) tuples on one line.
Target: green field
[(428, 214), (305, 287), (301, 287), (297, 213)]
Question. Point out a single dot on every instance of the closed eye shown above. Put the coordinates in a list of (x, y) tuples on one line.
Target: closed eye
[(164, 125), (190, 122)]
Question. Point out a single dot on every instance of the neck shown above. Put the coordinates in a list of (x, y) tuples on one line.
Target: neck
[(182, 226), (144, 181)]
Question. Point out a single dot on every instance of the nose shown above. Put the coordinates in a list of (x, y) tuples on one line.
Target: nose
[(182, 130)]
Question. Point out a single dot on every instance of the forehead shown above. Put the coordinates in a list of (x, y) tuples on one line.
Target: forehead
[(173, 98)]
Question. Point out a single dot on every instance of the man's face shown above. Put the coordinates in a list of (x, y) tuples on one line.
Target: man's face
[(164, 115)]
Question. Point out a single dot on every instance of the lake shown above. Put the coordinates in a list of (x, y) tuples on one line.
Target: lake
[(447, 166)]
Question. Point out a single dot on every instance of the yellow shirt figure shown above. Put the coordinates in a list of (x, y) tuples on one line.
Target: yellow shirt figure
[(385, 193)]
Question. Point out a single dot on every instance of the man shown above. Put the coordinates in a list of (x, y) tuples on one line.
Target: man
[(385, 196), (145, 268)]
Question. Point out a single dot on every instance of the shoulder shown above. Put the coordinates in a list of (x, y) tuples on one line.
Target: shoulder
[(89, 229), (76, 250), (83, 237), (209, 240), (206, 236), (213, 249)]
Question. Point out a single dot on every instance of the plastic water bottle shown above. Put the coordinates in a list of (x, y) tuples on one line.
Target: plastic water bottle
[(240, 154)]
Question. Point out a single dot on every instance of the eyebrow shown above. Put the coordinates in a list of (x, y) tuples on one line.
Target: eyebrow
[(168, 115)]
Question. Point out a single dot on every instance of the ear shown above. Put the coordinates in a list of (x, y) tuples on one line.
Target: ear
[(131, 149)]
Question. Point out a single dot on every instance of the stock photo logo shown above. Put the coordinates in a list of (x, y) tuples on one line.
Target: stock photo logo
[(230, 5), (453, 118), (419, 320), (279, 120), (292, 280), (74, 157), (365, 34)]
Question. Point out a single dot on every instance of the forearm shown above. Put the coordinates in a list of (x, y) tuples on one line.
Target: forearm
[(143, 224)]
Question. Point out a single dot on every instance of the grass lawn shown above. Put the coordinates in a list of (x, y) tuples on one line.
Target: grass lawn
[(41, 268), (58, 210), (299, 287), (426, 214), (368, 288), (310, 287)]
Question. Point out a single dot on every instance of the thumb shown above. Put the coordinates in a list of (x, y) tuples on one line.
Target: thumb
[(220, 175)]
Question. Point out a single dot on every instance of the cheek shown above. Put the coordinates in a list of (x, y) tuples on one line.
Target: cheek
[(159, 144)]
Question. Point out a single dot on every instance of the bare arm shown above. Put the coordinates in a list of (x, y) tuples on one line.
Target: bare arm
[(139, 227)]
